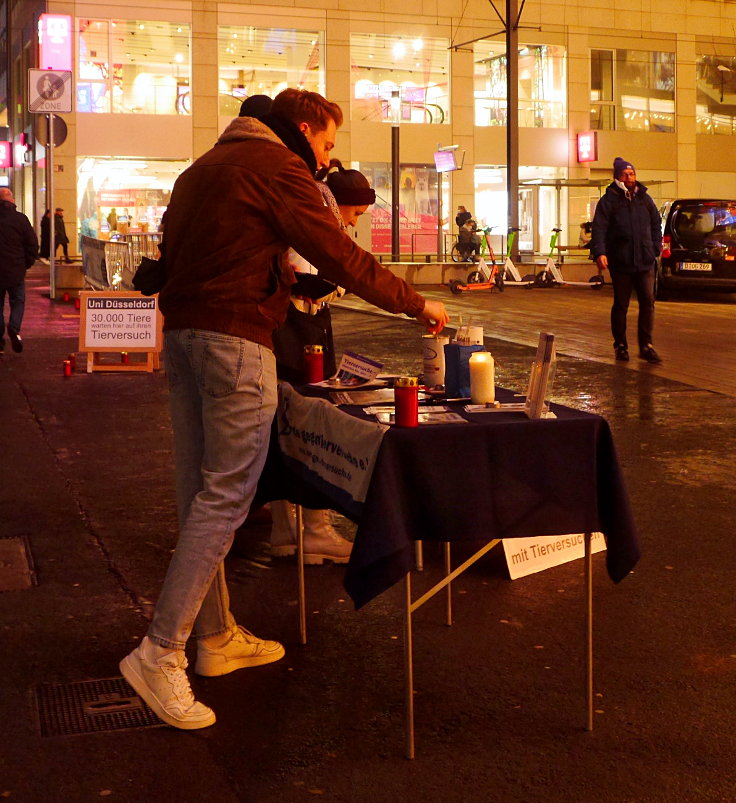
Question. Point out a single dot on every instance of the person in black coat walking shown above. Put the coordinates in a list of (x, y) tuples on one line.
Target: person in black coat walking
[(627, 239), (18, 251)]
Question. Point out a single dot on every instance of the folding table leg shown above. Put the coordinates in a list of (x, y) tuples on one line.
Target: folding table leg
[(589, 629), (448, 569), (409, 673), (419, 556), (300, 570)]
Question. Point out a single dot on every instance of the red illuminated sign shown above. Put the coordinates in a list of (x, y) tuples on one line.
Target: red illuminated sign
[(588, 146), (55, 42), (6, 154)]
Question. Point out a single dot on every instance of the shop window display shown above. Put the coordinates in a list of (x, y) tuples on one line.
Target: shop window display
[(417, 207), (123, 196), (715, 81), (542, 85), (263, 61), (632, 90), (415, 67), (133, 67)]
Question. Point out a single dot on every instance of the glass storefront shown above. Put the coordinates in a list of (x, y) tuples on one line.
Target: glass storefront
[(538, 209), (715, 81), (418, 68), (632, 90), (542, 85), (417, 206), (263, 61), (133, 67), (123, 196)]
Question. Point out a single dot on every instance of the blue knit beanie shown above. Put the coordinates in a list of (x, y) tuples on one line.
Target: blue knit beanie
[(619, 165)]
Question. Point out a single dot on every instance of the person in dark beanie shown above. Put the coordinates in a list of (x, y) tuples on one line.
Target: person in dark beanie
[(308, 322), (18, 251), (627, 239)]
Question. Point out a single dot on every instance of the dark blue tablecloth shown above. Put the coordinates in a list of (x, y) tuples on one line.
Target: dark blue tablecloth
[(498, 476)]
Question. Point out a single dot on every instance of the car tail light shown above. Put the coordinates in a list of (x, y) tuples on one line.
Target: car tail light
[(666, 249)]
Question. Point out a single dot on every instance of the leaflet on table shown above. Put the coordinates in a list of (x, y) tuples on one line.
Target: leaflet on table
[(427, 415), (354, 370)]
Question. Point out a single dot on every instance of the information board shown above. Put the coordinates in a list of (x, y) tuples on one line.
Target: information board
[(530, 555), (119, 321)]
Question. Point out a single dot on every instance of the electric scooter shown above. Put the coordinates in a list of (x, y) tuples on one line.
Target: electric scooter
[(551, 274), (496, 278)]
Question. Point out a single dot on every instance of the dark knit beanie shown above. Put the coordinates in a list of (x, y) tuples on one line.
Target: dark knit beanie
[(255, 106), (619, 165), (350, 188)]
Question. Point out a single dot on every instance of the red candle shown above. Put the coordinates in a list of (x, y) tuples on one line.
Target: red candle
[(72, 361), (76, 303), (66, 297), (67, 368), (314, 363), (406, 400), (124, 357)]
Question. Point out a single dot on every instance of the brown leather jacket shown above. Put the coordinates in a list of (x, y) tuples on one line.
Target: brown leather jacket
[(233, 214)]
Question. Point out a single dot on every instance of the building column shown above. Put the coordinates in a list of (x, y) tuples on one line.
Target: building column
[(687, 185), (205, 108)]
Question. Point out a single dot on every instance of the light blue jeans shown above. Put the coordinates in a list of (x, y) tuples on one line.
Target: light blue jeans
[(223, 399)]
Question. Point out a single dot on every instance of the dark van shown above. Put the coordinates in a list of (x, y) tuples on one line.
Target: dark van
[(698, 246)]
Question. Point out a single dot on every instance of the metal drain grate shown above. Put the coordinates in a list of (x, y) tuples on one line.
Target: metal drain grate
[(16, 564), (91, 706)]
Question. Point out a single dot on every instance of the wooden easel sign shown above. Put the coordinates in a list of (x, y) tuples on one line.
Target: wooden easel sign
[(120, 323), (531, 555)]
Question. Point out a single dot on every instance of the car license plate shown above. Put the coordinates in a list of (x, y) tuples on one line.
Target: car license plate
[(701, 266)]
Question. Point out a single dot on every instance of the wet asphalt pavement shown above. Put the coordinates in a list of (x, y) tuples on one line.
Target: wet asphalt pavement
[(87, 477)]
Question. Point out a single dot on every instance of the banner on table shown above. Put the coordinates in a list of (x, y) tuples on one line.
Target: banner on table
[(530, 555), (328, 447)]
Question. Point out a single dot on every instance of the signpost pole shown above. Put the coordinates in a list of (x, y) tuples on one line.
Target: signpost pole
[(52, 208)]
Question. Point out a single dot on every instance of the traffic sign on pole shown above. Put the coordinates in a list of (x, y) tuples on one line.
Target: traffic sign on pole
[(49, 91)]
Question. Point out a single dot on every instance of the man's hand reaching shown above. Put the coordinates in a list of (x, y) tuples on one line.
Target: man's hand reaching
[(434, 316)]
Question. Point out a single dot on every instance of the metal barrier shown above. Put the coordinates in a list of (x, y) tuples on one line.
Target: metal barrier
[(111, 264)]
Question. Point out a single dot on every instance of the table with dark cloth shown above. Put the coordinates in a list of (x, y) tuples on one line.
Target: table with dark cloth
[(499, 476)]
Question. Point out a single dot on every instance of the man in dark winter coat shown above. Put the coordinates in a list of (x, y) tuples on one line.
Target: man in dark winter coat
[(18, 251), (233, 214), (627, 239)]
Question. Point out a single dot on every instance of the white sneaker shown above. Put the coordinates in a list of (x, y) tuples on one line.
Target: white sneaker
[(163, 683), (322, 541), (237, 649)]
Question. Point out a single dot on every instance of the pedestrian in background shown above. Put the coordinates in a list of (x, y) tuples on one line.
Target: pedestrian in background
[(18, 251), (627, 239), (60, 236), (233, 214)]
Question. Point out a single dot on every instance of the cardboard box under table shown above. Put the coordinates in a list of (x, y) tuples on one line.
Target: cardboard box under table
[(525, 477)]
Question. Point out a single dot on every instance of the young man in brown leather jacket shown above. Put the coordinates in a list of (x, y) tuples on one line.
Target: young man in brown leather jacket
[(233, 215)]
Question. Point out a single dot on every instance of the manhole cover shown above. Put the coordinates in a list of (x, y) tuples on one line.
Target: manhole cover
[(16, 565), (91, 706)]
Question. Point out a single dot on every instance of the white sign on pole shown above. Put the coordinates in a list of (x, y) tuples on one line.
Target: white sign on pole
[(49, 91), (530, 555)]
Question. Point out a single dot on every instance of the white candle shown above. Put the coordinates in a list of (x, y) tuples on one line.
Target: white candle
[(482, 378)]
